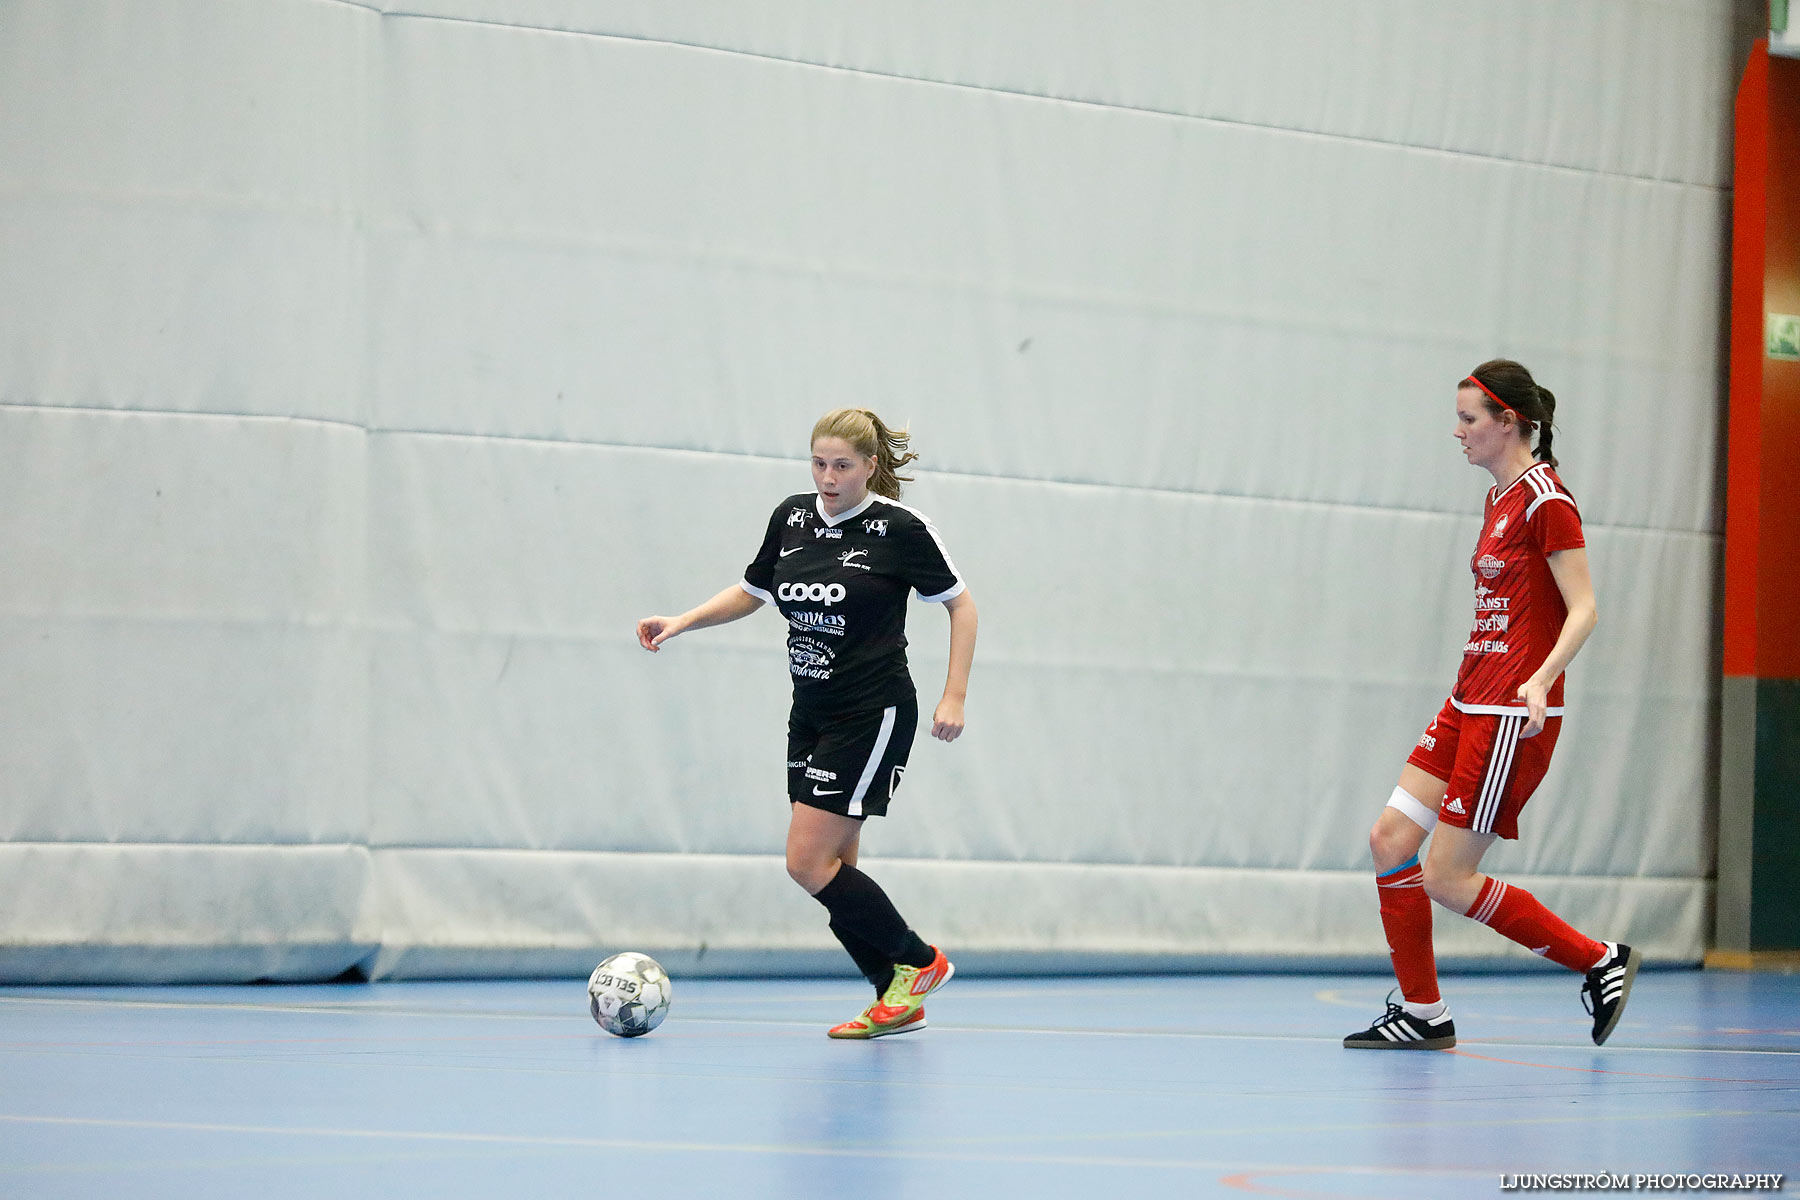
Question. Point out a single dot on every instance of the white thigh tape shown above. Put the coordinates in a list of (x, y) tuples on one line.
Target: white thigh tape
[(1412, 809)]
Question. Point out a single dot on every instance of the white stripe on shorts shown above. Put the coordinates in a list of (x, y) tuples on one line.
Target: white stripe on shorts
[(868, 774), (1493, 788), (1500, 710)]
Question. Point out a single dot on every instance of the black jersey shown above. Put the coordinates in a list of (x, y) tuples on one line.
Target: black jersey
[(841, 582)]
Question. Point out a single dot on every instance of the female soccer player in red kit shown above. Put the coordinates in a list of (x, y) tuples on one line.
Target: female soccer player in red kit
[(1481, 759)]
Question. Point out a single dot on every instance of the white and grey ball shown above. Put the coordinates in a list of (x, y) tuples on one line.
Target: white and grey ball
[(629, 994)]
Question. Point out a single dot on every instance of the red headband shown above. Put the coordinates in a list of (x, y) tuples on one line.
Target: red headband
[(1497, 400)]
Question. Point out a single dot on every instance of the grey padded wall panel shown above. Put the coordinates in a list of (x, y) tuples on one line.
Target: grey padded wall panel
[(955, 267), (365, 373), (512, 705), (736, 914), (1649, 80), (181, 186), (164, 913), (181, 638)]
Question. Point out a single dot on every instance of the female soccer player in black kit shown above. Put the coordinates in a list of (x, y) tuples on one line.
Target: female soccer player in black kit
[(1482, 757), (838, 564)]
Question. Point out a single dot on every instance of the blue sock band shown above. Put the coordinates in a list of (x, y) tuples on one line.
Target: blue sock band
[(1408, 865)]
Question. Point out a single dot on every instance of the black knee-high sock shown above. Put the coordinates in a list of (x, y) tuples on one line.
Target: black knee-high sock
[(858, 904), (877, 969)]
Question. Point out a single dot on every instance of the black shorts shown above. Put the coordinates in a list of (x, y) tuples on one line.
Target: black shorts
[(850, 763)]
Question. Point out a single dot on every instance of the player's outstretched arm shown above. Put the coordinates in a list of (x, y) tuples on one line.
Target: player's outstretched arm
[(947, 721), (1570, 570), (729, 605)]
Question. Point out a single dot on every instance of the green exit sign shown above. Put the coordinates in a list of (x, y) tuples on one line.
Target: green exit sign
[(1781, 337)]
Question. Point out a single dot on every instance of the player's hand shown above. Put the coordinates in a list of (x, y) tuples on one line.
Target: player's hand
[(947, 721), (654, 631), (1534, 694)]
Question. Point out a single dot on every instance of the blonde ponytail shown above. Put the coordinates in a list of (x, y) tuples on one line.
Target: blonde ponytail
[(871, 439)]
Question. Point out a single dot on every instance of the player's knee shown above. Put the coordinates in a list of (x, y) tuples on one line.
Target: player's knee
[(1390, 847), (807, 871), (796, 869), (1380, 845), (1446, 884)]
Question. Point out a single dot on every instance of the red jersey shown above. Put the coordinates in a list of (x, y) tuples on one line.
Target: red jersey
[(1519, 610)]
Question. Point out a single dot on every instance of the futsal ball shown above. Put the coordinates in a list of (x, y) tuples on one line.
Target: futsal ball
[(629, 994)]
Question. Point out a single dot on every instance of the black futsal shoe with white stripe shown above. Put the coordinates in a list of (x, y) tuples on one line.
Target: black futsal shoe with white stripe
[(1400, 1030), (1607, 988)]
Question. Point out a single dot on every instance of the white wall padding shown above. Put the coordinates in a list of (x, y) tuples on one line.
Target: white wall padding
[(160, 913), (180, 630), (367, 369), (738, 914)]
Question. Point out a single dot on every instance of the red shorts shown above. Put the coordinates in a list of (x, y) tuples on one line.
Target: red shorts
[(1491, 771)]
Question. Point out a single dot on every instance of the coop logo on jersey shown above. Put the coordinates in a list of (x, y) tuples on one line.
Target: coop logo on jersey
[(1499, 526), (848, 558), (796, 516), (828, 532), (1489, 566), (817, 593), (876, 527)]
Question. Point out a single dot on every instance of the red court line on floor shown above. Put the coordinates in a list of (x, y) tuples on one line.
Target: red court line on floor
[(1245, 1182)]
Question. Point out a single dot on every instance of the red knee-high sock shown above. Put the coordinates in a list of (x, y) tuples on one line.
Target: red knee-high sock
[(1406, 917), (1513, 912)]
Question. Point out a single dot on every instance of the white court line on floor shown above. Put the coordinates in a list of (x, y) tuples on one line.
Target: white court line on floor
[(1338, 1041), (963, 1028), (1236, 1166), (379, 1007)]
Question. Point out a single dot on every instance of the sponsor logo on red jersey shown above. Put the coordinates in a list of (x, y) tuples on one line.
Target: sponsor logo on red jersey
[(1519, 610)]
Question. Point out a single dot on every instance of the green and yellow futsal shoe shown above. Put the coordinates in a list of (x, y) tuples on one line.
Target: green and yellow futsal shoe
[(912, 984), (865, 1026)]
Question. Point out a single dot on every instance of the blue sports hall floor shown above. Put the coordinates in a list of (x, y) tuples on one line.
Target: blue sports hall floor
[(1220, 1085)]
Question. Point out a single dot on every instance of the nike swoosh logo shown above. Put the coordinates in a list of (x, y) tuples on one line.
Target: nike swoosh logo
[(795, 550), (833, 792)]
